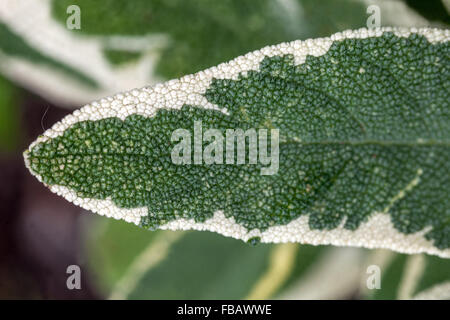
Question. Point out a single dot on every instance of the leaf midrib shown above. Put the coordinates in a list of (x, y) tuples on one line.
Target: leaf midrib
[(329, 142)]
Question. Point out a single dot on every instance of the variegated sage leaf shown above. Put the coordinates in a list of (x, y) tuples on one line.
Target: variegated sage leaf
[(362, 122)]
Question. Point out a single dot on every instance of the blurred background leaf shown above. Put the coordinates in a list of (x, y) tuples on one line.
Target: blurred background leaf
[(204, 33), (13, 45), (9, 116), (433, 10), (126, 44), (407, 276), (128, 262)]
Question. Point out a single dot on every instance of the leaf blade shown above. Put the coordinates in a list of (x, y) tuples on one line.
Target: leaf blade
[(330, 138)]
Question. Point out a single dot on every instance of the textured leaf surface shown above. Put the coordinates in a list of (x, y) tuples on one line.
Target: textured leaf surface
[(363, 121)]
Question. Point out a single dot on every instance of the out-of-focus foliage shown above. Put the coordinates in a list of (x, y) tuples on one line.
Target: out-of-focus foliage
[(161, 40), (191, 265), (12, 44), (409, 276), (433, 10), (204, 33), (9, 116)]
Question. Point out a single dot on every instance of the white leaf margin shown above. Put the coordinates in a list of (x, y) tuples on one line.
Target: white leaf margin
[(377, 232)]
